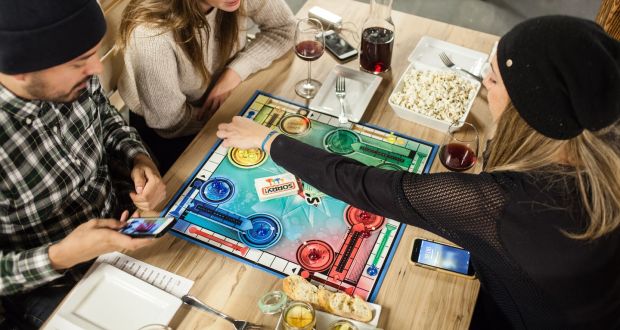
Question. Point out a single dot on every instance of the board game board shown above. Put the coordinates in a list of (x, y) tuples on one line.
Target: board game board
[(240, 203)]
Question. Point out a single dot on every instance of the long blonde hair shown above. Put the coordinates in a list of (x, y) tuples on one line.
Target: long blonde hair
[(594, 158), (185, 19)]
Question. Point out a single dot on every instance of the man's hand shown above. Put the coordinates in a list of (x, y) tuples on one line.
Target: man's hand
[(220, 92), (92, 239), (150, 189)]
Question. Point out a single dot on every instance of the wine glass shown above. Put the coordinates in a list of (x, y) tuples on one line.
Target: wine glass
[(309, 46), (459, 150)]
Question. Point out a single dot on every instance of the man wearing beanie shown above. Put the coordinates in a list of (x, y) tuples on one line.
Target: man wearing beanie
[(58, 136)]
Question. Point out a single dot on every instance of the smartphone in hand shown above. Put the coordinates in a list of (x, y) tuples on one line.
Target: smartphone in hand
[(442, 257), (147, 227)]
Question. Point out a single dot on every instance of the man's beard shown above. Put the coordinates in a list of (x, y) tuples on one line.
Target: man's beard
[(40, 90)]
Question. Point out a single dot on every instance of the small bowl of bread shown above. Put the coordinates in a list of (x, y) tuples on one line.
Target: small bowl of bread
[(332, 305)]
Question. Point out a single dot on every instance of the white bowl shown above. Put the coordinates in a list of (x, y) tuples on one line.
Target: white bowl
[(411, 115)]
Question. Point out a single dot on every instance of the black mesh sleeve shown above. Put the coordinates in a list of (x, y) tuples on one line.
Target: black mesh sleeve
[(464, 208), (458, 206)]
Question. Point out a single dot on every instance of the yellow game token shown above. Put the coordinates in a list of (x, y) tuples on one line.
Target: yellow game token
[(246, 158)]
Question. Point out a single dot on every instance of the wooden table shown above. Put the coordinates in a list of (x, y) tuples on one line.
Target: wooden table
[(412, 297)]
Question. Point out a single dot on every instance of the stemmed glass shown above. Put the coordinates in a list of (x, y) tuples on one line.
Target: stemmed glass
[(309, 46), (459, 150)]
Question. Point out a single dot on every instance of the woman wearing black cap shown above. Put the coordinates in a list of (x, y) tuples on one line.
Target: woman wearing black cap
[(541, 221)]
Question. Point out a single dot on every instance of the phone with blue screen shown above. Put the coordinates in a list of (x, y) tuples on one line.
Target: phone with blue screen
[(443, 257), (147, 227)]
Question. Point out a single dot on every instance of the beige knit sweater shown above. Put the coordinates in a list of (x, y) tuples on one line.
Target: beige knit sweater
[(159, 82)]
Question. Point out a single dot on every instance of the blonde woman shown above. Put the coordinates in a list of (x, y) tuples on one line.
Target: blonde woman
[(542, 220), (184, 57)]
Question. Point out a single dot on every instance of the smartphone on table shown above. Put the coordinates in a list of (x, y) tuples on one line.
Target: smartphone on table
[(147, 227), (442, 257), (339, 47)]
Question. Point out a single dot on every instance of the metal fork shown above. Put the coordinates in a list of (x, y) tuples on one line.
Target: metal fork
[(239, 325), (448, 62), (340, 94)]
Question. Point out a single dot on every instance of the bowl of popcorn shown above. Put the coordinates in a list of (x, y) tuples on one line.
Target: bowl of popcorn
[(434, 97)]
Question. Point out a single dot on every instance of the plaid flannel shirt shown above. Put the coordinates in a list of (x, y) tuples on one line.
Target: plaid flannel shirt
[(54, 176)]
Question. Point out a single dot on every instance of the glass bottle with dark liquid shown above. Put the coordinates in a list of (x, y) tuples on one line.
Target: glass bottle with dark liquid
[(377, 38), (376, 49)]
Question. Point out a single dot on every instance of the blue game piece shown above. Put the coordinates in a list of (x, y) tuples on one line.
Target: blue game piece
[(218, 187), (217, 190), (266, 231), (372, 270)]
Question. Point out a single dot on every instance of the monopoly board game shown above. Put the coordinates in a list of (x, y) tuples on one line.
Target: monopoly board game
[(240, 203)]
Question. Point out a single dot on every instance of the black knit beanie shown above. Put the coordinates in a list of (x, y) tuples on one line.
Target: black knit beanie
[(39, 34), (562, 74)]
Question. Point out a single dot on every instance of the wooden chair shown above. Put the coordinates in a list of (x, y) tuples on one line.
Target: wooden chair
[(609, 17)]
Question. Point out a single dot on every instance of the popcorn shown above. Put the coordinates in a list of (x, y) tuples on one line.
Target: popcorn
[(442, 95)]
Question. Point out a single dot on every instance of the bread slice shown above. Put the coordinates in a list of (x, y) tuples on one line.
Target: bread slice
[(337, 303), (297, 288), (342, 304)]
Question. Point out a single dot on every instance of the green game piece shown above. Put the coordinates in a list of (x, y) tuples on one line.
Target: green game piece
[(340, 141)]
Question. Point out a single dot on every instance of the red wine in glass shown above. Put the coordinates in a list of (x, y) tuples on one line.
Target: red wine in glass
[(309, 45), (376, 49), (309, 50), (457, 157)]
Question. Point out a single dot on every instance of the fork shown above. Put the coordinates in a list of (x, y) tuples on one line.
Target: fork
[(340, 94), (448, 62), (239, 325)]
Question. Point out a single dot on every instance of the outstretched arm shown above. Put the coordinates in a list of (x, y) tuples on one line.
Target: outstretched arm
[(457, 206)]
